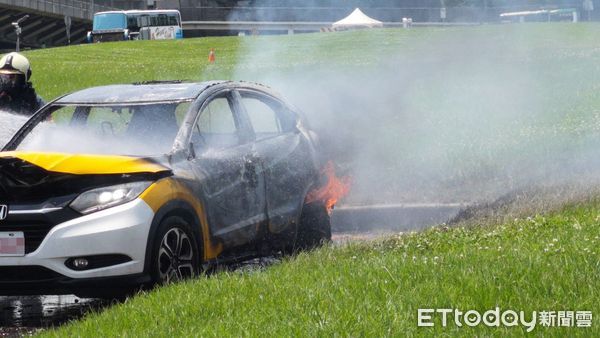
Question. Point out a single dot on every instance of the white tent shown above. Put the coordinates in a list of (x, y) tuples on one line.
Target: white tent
[(357, 19)]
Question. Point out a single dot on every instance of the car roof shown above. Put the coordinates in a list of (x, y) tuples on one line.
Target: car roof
[(138, 93)]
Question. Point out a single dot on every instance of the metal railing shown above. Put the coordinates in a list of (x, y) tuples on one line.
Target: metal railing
[(73, 8), (308, 13)]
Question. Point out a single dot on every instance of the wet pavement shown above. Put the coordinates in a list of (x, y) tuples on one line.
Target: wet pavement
[(25, 315), (392, 217)]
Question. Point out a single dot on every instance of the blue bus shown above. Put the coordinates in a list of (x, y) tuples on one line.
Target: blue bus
[(136, 24)]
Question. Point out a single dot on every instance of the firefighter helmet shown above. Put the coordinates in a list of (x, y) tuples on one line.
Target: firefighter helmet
[(15, 63)]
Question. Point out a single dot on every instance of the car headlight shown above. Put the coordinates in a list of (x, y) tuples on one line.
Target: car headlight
[(106, 197)]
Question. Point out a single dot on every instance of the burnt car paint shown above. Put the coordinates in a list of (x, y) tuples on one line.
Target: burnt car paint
[(286, 161), (235, 196)]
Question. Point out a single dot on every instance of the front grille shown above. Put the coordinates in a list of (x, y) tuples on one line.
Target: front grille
[(26, 273), (34, 233)]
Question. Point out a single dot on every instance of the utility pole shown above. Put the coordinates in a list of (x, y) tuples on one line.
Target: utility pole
[(68, 28), (17, 26)]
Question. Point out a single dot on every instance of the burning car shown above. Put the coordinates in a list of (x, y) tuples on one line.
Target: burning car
[(139, 184)]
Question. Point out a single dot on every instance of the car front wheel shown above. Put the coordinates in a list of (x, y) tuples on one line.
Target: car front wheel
[(175, 252)]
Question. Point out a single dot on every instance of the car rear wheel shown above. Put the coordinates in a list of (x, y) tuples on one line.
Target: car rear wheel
[(175, 252), (315, 227)]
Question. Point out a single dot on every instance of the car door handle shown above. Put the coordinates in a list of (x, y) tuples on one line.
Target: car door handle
[(250, 161), (249, 165), (250, 174)]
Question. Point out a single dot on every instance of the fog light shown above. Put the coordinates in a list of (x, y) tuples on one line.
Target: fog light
[(96, 261), (80, 263)]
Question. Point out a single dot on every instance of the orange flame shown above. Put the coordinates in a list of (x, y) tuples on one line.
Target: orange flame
[(335, 189)]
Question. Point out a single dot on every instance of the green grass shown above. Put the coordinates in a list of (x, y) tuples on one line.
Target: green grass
[(374, 289), (478, 98)]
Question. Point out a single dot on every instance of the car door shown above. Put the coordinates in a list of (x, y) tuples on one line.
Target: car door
[(233, 188), (284, 154)]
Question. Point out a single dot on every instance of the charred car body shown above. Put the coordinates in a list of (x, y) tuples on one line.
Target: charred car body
[(128, 185)]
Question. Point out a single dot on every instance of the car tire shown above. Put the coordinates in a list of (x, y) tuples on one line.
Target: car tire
[(314, 228), (175, 252)]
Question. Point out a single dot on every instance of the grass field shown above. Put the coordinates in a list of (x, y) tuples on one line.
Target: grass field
[(459, 103), (544, 263)]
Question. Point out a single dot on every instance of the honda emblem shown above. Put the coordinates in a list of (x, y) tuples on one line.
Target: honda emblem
[(3, 211)]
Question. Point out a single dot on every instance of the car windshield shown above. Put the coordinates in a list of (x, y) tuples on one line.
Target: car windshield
[(139, 130), (110, 21)]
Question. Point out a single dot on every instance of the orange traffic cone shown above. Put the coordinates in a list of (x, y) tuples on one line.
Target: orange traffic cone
[(211, 56)]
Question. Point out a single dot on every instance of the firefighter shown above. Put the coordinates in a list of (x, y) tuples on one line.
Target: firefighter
[(16, 92)]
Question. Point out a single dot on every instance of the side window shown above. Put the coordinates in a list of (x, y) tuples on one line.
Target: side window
[(181, 111), (132, 23), (144, 21), (216, 126), (173, 20), (267, 116), (163, 20), (62, 115)]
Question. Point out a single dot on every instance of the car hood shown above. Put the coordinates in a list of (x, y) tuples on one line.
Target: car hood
[(35, 177), (84, 164)]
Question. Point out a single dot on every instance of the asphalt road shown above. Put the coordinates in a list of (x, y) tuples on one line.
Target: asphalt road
[(25, 315)]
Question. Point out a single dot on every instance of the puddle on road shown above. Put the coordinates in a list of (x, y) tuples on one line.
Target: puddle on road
[(23, 315)]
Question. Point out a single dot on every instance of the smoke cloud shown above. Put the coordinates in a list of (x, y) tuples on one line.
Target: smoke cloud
[(146, 130), (431, 115), (10, 124)]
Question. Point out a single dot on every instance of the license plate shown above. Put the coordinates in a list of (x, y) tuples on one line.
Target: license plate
[(12, 244)]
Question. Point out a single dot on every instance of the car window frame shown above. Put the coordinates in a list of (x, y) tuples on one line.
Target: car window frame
[(241, 126), (253, 92)]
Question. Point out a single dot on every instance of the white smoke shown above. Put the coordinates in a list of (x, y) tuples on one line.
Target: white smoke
[(450, 117), (10, 123), (50, 137)]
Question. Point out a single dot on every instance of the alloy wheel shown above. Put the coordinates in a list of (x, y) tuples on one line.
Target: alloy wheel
[(175, 256)]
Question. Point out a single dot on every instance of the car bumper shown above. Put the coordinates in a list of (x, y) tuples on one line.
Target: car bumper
[(120, 230), (84, 287)]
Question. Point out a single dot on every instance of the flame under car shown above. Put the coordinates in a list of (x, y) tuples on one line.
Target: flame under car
[(126, 185)]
